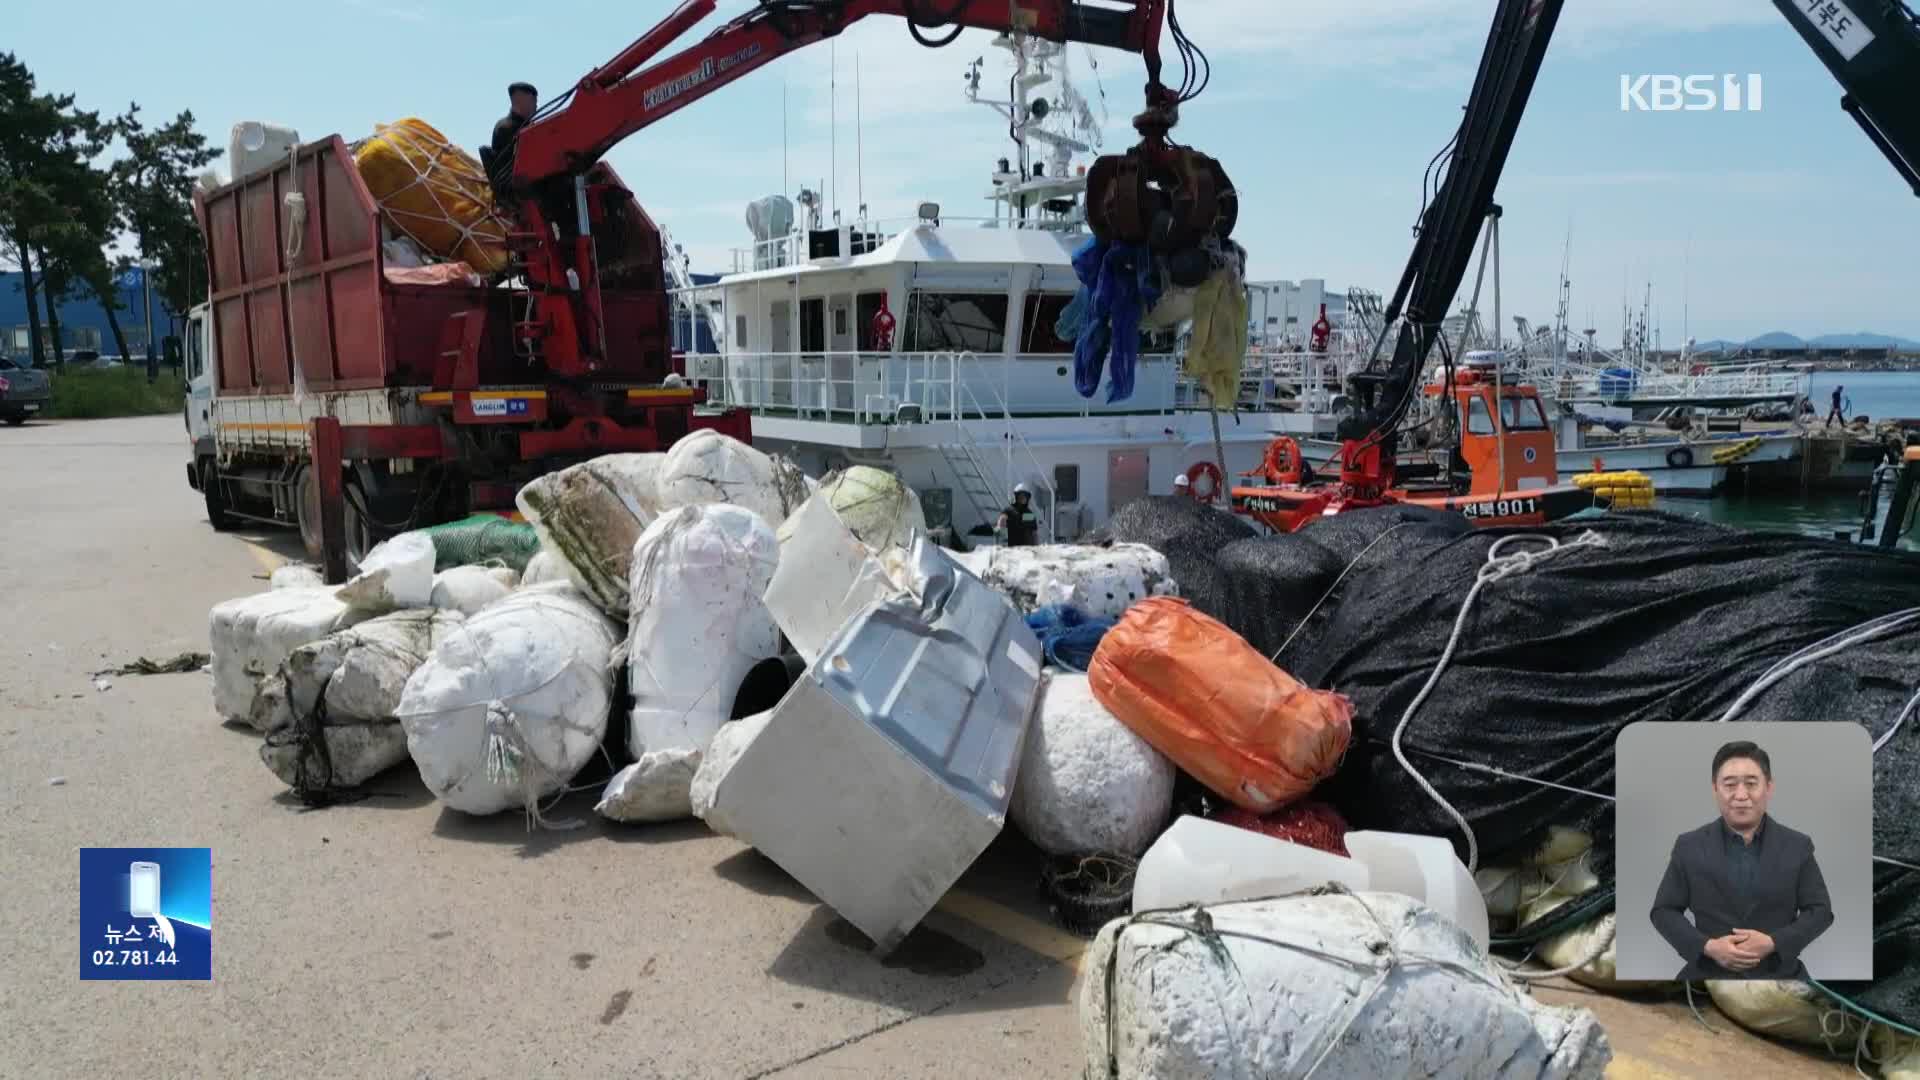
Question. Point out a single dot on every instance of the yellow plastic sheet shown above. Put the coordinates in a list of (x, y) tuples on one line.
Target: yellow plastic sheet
[(435, 193), (1219, 343)]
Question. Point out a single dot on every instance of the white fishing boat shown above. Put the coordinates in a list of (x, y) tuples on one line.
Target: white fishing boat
[(928, 346)]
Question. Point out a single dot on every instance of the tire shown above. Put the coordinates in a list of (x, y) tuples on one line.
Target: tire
[(357, 529), (16, 420), (216, 498), (306, 495), (1680, 457)]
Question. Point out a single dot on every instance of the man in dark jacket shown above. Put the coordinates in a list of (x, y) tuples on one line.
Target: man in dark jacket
[(1752, 884), (1018, 523), (523, 99)]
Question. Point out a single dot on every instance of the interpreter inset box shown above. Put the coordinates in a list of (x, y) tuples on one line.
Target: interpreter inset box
[(1744, 851)]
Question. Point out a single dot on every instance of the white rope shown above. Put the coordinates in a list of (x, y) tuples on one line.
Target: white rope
[(1497, 567), (1867, 631)]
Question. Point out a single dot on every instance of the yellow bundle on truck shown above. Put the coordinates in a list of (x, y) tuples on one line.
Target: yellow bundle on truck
[(435, 193)]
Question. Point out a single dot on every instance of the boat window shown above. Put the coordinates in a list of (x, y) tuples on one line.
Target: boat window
[(865, 307), (839, 322), (1066, 483), (813, 325), (1522, 414), (740, 333), (1479, 420), (953, 322), (1043, 312)]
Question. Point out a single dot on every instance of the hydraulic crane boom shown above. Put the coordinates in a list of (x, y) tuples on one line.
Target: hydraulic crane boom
[(582, 231), (1871, 46), (1873, 49), (619, 99)]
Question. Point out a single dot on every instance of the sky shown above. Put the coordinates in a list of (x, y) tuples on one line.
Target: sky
[(1324, 113)]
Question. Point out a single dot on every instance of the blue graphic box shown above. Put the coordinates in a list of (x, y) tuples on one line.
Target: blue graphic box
[(146, 913)]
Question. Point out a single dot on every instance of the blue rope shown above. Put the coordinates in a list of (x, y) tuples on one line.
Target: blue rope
[(1068, 635)]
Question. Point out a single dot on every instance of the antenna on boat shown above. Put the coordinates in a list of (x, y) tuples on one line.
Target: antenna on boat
[(859, 141), (833, 113), (786, 180), (1686, 283)]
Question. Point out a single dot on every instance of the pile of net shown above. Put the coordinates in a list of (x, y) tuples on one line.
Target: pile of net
[(1190, 535), (435, 193), (481, 539), (1655, 618)]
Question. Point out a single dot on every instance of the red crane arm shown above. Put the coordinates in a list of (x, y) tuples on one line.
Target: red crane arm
[(618, 98)]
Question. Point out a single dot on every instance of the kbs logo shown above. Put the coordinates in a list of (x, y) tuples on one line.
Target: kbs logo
[(1690, 93)]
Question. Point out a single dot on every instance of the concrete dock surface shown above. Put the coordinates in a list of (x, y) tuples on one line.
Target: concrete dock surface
[(390, 938)]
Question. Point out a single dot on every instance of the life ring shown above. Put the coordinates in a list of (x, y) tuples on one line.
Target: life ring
[(1680, 457), (1283, 463), (1208, 471)]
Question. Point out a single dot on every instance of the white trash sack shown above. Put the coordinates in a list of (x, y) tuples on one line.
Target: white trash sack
[(545, 566), (511, 704), (295, 576), (1336, 983), (706, 468), (876, 506), (396, 574), (728, 744), (1087, 783), (589, 515), (467, 589), (251, 636), (699, 626), (1101, 581), (335, 727)]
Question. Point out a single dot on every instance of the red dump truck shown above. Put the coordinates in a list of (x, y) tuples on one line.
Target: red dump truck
[(419, 382)]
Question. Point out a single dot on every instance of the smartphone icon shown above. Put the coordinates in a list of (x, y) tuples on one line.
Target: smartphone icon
[(143, 889)]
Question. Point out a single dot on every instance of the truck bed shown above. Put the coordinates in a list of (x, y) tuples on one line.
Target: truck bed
[(309, 288)]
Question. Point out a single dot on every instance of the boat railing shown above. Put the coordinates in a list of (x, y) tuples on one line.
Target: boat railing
[(1577, 383), (904, 388)]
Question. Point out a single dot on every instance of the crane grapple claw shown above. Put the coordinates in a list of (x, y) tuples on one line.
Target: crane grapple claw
[(1167, 197)]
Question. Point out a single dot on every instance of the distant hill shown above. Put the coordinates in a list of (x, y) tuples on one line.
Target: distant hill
[(1862, 340), (1780, 339)]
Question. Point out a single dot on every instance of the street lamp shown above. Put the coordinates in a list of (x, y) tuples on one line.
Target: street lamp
[(146, 303)]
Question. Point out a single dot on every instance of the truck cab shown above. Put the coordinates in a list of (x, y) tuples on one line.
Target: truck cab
[(199, 404)]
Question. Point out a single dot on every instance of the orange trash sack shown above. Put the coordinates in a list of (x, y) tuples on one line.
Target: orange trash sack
[(1201, 695)]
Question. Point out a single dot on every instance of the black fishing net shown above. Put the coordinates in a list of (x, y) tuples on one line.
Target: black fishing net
[(1376, 535), (1191, 536), (1085, 892), (1157, 519), (1272, 583), (1672, 620)]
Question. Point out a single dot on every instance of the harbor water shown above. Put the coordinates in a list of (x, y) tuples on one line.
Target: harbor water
[(1879, 395)]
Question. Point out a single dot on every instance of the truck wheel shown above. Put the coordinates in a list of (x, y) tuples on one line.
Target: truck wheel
[(16, 419), (307, 511), (216, 497), (359, 532)]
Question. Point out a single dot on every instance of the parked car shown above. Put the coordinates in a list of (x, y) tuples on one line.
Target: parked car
[(24, 392)]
